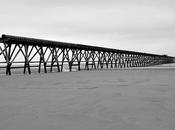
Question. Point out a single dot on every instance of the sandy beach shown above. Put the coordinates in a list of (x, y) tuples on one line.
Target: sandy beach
[(125, 99)]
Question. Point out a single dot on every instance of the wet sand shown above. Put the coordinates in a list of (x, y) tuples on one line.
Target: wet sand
[(131, 99)]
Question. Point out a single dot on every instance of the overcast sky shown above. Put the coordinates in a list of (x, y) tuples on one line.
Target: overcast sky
[(138, 25)]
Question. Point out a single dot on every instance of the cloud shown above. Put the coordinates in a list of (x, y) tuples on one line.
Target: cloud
[(128, 23)]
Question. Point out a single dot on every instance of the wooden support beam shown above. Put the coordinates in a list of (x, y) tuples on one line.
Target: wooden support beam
[(42, 60), (55, 57), (26, 64), (8, 51)]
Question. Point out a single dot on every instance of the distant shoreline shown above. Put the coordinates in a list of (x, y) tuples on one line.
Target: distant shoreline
[(35, 70)]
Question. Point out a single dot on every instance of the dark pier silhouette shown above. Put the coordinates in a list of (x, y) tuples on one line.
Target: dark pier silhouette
[(22, 52)]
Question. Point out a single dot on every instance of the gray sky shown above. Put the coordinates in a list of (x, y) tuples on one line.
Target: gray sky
[(138, 25)]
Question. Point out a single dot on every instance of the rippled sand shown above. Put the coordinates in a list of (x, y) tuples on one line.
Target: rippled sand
[(131, 99)]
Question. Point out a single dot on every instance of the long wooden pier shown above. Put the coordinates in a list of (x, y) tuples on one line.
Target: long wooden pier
[(26, 53)]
